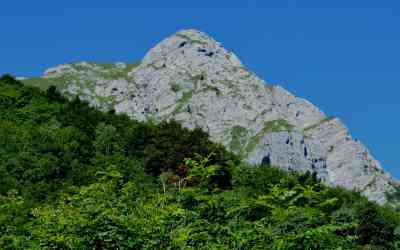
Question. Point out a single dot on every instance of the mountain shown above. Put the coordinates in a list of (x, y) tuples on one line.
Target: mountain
[(191, 78)]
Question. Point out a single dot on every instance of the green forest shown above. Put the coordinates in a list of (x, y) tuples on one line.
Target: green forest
[(73, 177)]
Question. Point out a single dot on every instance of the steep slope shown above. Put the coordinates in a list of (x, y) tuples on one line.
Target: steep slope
[(191, 78)]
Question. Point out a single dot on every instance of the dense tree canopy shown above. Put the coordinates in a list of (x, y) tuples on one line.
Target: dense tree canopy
[(72, 177)]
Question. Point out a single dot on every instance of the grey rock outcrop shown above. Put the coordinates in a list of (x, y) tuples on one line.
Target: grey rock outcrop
[(193, 79), (300, 154)]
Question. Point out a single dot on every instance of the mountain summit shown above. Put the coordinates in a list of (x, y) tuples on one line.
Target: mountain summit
[(191, 78)]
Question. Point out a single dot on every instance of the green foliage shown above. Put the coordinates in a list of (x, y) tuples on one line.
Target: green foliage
[(42, 83), (376, 227), (72, 177), (208, 176)]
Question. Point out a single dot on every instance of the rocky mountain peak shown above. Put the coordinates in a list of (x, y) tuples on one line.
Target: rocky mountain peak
[(191, 78), (193, 47), (188, 60)]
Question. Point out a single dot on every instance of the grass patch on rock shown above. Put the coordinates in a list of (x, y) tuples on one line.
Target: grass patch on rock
[(311, 127), (181, 102), (274, 126), (239, 138)]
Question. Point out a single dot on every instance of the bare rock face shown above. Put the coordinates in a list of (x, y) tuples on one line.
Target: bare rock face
[(349, 162), (191, 78), (300, 154)]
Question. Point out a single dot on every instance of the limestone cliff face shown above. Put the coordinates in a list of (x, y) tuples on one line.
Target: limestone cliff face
[(193, 79)]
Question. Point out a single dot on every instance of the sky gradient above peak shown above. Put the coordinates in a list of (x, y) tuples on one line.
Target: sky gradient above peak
[(341, 55)]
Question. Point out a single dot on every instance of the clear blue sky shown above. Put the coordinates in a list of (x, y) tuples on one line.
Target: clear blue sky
[(342, 55)]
